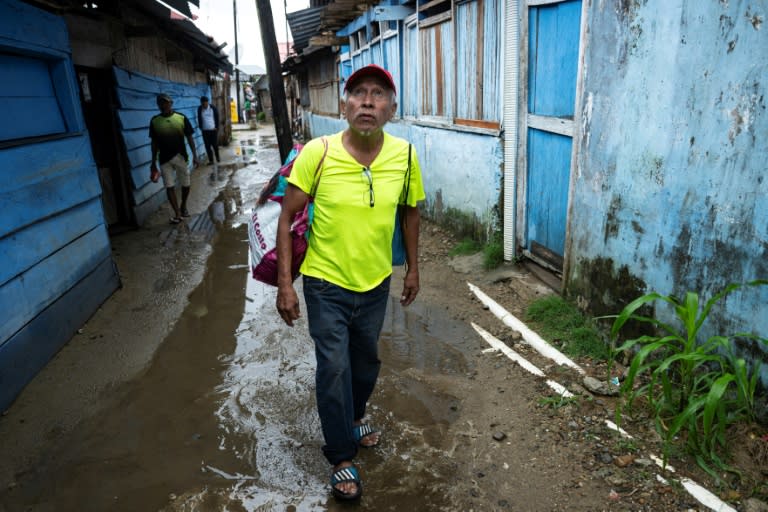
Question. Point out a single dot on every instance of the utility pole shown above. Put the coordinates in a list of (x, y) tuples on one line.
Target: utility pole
[(275, 73), (237, 61)]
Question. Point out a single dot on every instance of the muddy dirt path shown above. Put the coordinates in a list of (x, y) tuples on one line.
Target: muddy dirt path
[(223, 416)]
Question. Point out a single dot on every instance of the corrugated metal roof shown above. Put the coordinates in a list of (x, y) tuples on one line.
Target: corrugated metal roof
[(316, 27), (304, 24)]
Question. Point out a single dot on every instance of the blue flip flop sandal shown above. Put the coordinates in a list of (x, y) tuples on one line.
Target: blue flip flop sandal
[(362, 431), (343, 475)]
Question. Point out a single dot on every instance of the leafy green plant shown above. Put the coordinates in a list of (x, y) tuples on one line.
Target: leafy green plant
[(557, 319), (466, 246), (695, 388)]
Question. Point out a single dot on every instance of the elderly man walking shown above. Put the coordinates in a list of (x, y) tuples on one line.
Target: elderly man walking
[(359, 183)]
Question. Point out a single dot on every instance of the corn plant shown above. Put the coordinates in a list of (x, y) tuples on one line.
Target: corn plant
[(695, 388)]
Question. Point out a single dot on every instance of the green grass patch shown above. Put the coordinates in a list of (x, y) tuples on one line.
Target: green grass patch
[(560, 322), (557, 401), (466, 246), (493, 254)]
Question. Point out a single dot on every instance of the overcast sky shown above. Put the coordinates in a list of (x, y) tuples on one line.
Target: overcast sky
[(215, 18)]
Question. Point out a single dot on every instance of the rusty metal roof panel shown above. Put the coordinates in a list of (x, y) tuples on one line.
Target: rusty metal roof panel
[(304, 24)]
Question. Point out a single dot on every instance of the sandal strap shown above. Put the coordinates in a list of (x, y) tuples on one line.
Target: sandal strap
[(363, 430), (348, 474)]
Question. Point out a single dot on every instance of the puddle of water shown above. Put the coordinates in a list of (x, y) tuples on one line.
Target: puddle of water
[(225, 418)]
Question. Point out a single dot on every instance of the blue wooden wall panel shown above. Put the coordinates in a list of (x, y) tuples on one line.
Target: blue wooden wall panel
[(554, 45), (68, 93), (448, 58), (478, 91), (549, 167), (28, 98), (412, 78), (52, 230), (42, 238), (28, 351), (374, 53), (135, 138), (53, 176), (493, 41), (22, 27), (391, 54), (467, 79), (22, 298)]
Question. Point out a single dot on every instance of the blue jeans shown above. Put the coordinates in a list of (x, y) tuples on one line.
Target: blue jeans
[(345, 327)]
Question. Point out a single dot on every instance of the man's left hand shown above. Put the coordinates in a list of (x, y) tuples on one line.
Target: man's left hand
[(410, 287)]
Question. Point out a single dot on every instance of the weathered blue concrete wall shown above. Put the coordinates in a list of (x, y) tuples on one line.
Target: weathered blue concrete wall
[(670, 191), (462, 170)]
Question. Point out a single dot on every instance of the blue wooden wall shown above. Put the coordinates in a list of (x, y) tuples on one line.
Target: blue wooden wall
[(55, 257), (137, 97), (671, 191)]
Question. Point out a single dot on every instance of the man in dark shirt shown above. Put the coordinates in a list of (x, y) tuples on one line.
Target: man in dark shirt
[(168, 129)]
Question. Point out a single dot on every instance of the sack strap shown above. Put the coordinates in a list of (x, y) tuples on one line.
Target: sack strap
[(407, 184), (319, 169), (406, 188)]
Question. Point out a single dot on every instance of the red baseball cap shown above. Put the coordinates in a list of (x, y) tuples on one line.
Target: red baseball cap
[(371, 70)]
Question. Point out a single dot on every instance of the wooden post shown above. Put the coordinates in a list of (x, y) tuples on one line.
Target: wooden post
[(275, 74)]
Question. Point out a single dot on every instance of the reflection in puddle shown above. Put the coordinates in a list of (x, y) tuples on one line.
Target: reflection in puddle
[(268, 391)]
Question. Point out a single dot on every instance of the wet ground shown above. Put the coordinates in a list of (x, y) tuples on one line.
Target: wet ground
[(185, 392), (222, 417)]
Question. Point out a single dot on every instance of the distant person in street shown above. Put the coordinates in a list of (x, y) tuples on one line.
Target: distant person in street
[(348, 265), (208, 121), (168, 129)]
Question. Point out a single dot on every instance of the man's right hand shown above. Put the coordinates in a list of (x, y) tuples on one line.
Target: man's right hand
[(154, 173), (288, 304)]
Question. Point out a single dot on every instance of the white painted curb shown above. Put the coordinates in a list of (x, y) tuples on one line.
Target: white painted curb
[(704, 497), (529, 336), (499, 346)]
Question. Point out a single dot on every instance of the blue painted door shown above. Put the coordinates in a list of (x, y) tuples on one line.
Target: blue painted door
[(553, 52)]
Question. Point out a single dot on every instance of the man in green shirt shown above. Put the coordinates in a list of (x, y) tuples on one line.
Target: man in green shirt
[(167, 130), (348, 264)]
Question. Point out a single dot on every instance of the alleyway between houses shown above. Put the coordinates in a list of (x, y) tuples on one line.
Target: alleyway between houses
[(186, 392)]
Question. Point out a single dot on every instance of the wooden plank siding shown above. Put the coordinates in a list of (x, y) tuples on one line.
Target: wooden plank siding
[(323, 86), (53, 237), (479, 39), (411, 79), (448, 67), (137, 98), (437, 70)]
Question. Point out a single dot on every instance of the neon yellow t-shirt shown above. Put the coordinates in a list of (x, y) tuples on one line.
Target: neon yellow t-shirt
[(350, 243)]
